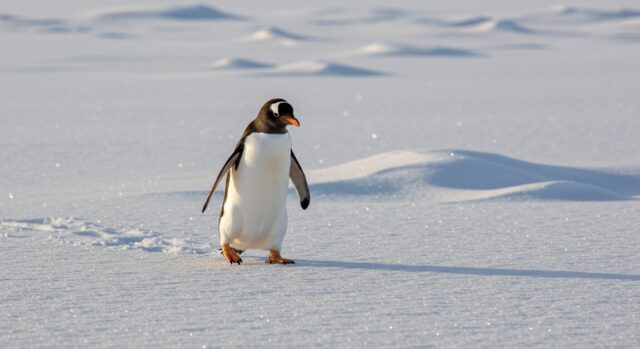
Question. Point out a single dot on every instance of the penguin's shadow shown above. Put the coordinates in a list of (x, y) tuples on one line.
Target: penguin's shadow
[(422, 268)]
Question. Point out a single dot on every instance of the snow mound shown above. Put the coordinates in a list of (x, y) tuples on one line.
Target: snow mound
[(195, 12), (382, 49), (461, 175), (239, 63), (279, 36), (469, 21), (273, 33), (321, 68), (481, 24), (376, 15), (13, 20), (591, 14), (501, 25), (79, 232)]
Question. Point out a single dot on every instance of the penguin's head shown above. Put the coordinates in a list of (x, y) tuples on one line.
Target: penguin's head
[(278, 114)]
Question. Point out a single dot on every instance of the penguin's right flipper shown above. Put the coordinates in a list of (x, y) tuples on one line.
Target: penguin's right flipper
[(233, 161)]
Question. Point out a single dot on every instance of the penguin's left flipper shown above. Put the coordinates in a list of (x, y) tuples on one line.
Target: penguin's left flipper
[(299, 181), (233, 161)]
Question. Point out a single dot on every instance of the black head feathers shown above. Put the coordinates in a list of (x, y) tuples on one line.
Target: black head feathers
[(274, 116)]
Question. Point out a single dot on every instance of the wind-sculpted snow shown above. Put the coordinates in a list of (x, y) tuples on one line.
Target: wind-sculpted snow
[(470, 175), (321, 68), (77, 232), (279, 36), (385, 50), (374, 16), (14, 20), (502, 25), (302, 68), (587, 14), (484, 24), (197, 12), (239, 64)]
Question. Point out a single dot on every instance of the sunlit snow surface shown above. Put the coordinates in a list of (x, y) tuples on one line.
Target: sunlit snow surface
[(474, 173)]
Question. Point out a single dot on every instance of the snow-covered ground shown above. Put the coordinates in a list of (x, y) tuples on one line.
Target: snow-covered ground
[(474, 172)]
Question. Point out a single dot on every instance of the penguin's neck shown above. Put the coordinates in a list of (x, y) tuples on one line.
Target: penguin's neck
[(262, 126)]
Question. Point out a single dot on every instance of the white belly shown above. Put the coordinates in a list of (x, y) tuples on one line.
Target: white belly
[(255, 211)]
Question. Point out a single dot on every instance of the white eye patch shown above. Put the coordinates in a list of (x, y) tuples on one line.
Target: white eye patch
[(274, 108)]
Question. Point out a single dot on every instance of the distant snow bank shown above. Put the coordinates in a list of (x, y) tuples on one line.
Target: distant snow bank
[(278, 35), (80, 232), (463, 175), (193, 12), (317, 68), (239, 63), (392, 49), (321, 68)]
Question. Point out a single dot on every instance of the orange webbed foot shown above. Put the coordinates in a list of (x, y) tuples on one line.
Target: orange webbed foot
[(275, 258), (231, 255)]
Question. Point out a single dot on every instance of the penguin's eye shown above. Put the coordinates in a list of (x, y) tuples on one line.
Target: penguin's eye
[(275, 108)]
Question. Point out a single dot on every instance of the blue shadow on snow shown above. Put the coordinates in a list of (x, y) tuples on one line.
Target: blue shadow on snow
[(533, 273)]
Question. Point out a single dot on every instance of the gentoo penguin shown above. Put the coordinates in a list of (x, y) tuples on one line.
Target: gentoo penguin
[(254, 210)]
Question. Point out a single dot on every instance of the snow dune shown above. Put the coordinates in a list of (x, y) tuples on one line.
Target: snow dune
[(278, 35), (593, 14), (390, 49), (239, 63), (321, 68), (377, 15), (463, 175), (480, 23), (46, 25), (195, 12), (467, 21), (13, 20), (501, 25)]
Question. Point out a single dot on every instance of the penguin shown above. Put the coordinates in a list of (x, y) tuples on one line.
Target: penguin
[(254, 210)]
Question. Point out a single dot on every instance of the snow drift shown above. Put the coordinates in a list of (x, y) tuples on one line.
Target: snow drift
[(321, 68), (390, 49), (469, 175), (239, 63), (196, 12)]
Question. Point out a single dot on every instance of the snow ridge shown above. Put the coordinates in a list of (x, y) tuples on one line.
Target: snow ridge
[(239, 63), (321, 68), (463, 175), (389, 49), (194, 12)]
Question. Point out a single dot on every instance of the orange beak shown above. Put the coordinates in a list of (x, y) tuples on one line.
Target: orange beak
[(290, 120)]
